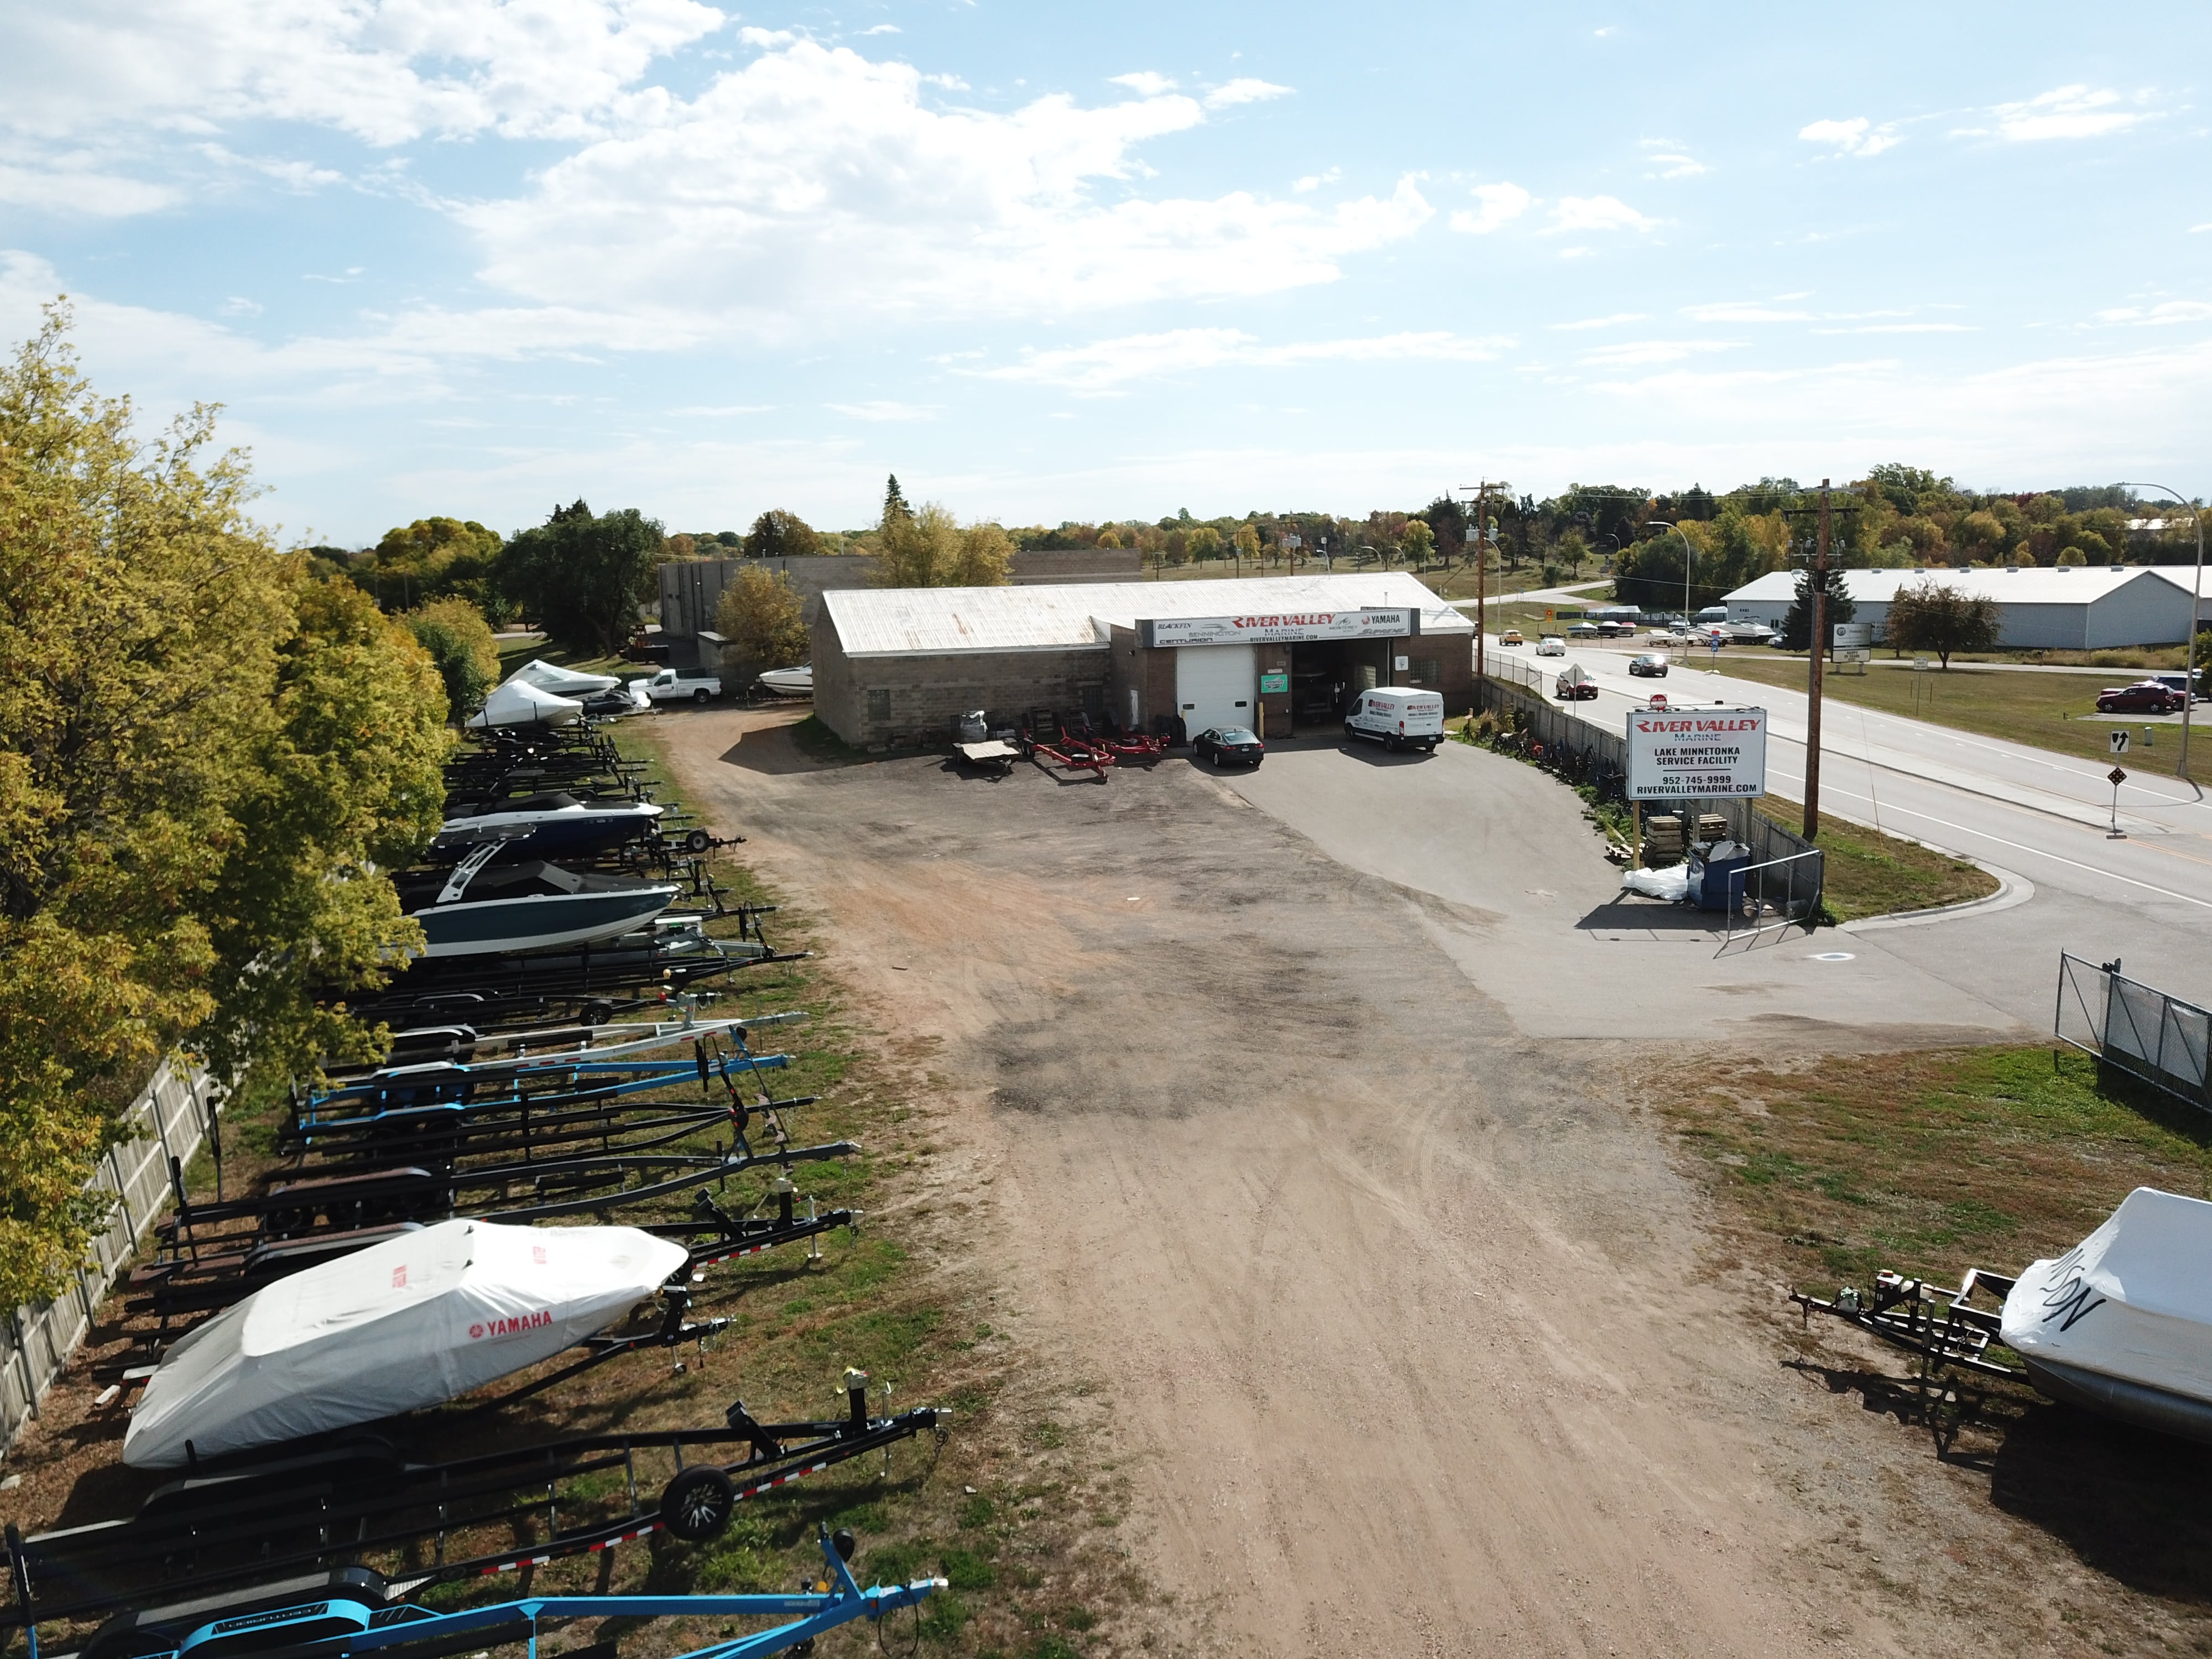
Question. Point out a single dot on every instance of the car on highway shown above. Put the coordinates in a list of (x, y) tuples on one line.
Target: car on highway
[(1651, 665), (1228, 745), (1551, 646), (1511, 636), (1575, 687), (2143, 697)]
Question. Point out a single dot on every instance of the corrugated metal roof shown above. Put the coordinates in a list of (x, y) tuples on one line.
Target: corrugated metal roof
[(2081, 584), (883, 622)]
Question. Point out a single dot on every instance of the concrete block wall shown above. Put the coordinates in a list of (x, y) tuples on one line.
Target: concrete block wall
[(927, 693)]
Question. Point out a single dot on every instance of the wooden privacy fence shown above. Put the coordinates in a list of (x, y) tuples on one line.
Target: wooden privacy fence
[(169, 1119)]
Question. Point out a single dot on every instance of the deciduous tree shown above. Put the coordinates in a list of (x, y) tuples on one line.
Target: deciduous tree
[(461, 647), (203, 750), (1932, 616), (931, 549), (777, 534), (582, 575), (760, 616)]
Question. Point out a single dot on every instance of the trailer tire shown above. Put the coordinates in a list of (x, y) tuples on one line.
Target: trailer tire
[(696, 1505), (697, 842), (700, 695)]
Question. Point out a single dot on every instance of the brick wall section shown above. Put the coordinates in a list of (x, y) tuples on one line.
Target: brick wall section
[(925, 693)]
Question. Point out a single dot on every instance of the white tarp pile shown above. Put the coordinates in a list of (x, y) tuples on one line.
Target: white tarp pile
[(404, 1324), (518, 702), (1671, 883), (566, 681), (2122, 1323)]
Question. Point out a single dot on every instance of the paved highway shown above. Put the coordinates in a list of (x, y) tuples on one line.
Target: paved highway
[(2039, 818)]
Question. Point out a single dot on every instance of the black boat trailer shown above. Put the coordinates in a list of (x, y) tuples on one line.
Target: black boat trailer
[(1941, 1328), (355, 1498), (184, 1286)]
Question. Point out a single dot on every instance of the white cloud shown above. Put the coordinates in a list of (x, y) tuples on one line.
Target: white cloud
[(2170, 311), (1145, 83), (813, 189), (1315, 180), (1673, 164), (1749, 311), (886, 409), (717, 411), (1856, 137), (1630, 353), (2196, 229), (2075, 111), (301, 178), (882, 28), (79, 182), (1107, 365), (1498, 204), (1614, 321), (1903, 328), (1597, 213), (386, 71), (1244, 90)]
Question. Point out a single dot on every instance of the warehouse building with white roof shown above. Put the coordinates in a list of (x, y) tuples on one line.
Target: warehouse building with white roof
[(896, 665), (2073, 608)]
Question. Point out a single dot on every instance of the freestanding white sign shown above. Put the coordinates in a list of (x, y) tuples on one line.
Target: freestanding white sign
[(1281, 627), (1696, 754)]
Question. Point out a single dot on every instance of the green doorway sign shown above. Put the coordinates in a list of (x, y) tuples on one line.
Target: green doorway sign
[(1275, 682)]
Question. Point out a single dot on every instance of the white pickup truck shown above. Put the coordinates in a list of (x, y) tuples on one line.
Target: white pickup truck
[(670, 686)]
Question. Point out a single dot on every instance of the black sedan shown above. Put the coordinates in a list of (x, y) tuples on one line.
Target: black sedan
[(1228, 745), (2143, 697), (1652, 663)]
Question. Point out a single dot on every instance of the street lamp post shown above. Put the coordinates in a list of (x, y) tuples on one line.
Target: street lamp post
[(2195, 590)]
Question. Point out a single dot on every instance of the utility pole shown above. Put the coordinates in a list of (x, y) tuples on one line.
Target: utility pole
[(1482, 567), (1813, 686)]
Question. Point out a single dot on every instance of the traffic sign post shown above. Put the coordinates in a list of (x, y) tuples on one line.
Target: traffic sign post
[(2119, 747), (2117, 777)]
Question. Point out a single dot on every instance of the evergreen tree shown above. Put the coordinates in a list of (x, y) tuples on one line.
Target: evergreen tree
[(1836, 606)]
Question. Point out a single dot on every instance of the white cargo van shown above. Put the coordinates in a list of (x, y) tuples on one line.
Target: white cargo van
[(1397, 718)]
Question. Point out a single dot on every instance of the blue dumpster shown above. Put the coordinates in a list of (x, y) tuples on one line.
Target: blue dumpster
[(1716, 877)]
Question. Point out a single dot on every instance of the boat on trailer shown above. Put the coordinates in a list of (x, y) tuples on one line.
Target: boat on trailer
[(2120, 1325), (551, 825), (530, 906)]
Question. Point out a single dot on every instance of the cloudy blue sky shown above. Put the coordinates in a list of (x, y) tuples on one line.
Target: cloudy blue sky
[(474, 255)]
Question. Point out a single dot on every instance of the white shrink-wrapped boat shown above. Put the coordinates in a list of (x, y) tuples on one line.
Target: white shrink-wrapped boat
[(518, 702), (404, 1324), (566, 682), (2121, 1323)]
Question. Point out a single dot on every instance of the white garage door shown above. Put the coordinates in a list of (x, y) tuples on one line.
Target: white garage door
[(1214, 685)]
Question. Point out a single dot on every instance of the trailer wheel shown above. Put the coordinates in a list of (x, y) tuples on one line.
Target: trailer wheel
[(598, 1013), (700, 695), (697, 842), (696, 1505)]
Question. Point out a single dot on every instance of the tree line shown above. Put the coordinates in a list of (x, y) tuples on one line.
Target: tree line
[(210, 752)]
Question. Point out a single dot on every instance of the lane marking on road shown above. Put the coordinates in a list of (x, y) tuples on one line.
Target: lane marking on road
[(2035, 852)]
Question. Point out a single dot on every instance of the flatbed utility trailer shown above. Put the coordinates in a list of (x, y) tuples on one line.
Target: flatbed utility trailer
[(353, 1499), (345, 1612), (994, 755)]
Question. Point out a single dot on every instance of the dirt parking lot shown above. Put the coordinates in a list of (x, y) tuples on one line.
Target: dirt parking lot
[(1410, 1325)]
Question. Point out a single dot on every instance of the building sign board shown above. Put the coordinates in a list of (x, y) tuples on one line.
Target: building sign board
[(1278, 628), (1270, 683), (1699, 754), (1854, 637)]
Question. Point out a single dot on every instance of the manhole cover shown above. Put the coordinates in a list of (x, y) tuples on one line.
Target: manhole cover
[(1832, 956)]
